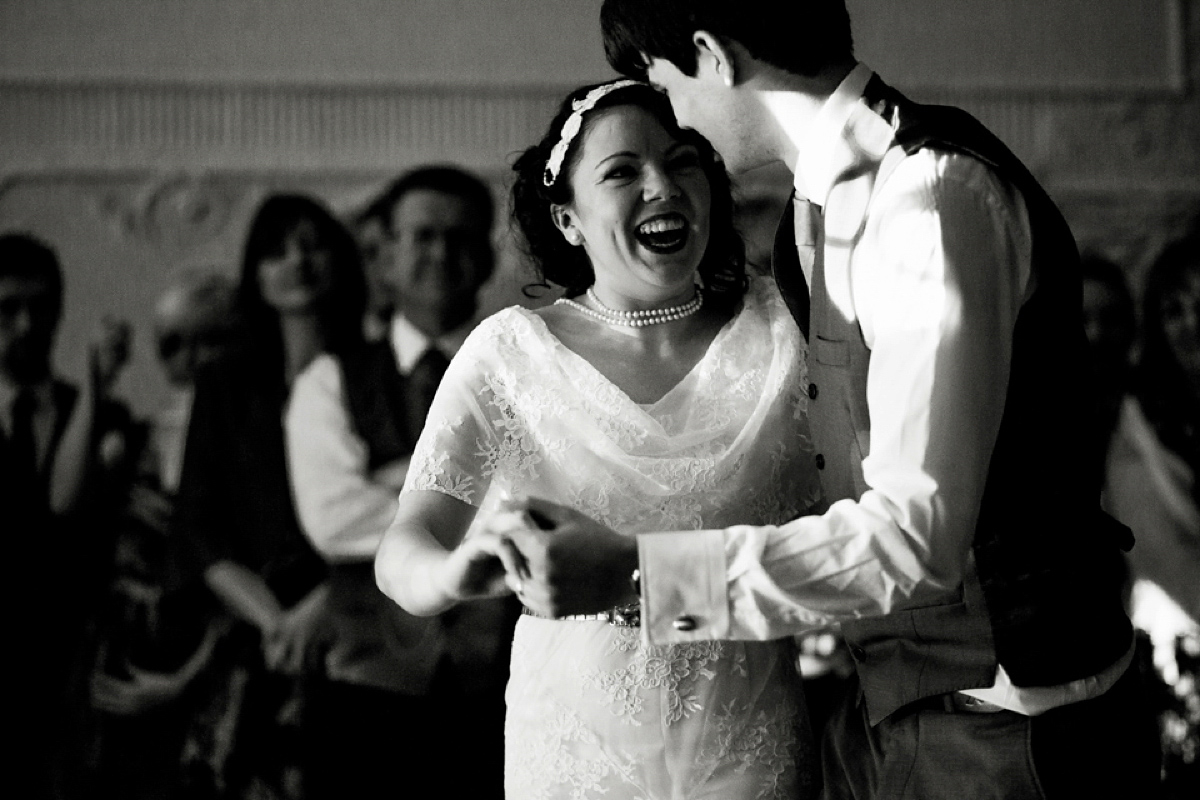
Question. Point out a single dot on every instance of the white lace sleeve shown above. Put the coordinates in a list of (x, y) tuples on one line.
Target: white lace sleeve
[(452, 455)]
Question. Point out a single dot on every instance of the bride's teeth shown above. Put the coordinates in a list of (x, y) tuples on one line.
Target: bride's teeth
[(661, 225)]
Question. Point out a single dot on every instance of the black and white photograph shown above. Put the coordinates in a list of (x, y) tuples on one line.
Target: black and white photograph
[(601, 399)]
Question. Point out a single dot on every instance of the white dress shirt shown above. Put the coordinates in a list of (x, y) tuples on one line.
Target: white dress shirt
[(168, 435), (344, 507), (935, 276)]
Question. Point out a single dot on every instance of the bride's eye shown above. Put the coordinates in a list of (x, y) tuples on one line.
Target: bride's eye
[(620, 172)]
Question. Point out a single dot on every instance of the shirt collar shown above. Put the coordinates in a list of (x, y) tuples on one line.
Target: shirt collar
[(827, 147), (43, 397), (410, 343)]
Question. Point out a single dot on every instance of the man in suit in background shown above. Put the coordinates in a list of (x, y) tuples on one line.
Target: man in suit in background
[(34, 405), (432, 686), (962, 552), (61, 470)]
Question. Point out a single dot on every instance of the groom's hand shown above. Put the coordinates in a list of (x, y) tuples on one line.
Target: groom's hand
[(574, 564)]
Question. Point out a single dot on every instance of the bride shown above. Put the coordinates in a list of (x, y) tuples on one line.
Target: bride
[(664, 391)]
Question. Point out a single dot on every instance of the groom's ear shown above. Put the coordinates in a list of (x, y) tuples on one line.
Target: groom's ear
[(714, 58)]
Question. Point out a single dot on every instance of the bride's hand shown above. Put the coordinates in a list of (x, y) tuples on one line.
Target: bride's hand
[(486, 564), (571, 563)]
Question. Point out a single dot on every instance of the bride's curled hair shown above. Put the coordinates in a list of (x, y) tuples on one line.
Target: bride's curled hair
[(557, 262)]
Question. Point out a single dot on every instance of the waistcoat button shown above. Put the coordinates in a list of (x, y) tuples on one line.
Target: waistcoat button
[(684, 623), (812, 391), (820, 461)]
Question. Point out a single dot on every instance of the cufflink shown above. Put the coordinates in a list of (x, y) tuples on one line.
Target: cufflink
[(684, 623)]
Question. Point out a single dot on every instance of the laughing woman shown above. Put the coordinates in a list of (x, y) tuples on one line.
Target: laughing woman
[(663, 391)]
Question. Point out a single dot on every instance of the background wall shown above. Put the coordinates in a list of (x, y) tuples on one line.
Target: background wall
[(138, 135)]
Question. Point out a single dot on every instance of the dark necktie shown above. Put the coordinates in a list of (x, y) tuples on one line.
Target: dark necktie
[(423, 383), (23, 446), (795, 250)]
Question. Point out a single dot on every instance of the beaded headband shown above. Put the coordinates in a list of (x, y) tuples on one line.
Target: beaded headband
[(570, 128)]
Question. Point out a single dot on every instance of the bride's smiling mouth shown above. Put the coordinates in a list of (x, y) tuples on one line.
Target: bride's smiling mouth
[(664, 233)]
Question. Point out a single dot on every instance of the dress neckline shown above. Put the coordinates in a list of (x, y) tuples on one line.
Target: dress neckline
[(710, 352)]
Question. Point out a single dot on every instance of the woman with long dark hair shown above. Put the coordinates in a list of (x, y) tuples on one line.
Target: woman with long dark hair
[(238, 543)]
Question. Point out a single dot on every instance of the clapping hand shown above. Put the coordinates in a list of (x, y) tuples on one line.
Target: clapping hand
[(142, 691), (109, 352), (568, 562), (298, 640), (150, 507)]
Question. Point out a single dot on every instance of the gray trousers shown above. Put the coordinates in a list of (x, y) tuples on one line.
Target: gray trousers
[(938, 750)]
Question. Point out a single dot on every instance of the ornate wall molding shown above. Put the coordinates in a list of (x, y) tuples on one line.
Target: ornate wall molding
[(174, 213), (51, 128), (82, 126)]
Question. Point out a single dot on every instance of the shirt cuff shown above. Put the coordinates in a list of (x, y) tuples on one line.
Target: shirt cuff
[(685, 595)]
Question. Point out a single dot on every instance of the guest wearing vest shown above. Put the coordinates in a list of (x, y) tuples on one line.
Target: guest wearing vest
[(961, 548), (63, 469), (1110, 325), (401, 695)]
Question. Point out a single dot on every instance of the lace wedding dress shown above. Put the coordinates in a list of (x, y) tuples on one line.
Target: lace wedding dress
[(593, 712)]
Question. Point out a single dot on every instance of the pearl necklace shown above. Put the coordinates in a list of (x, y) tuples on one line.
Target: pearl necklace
[(634, 319)]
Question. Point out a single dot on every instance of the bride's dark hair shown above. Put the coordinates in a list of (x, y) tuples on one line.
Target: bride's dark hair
[(722, 268)]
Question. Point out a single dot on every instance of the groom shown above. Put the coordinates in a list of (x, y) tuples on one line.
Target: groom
[(961, 548)]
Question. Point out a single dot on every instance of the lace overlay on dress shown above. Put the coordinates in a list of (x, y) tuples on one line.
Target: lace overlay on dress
[(593, 712), (673, 669), (752, 738)]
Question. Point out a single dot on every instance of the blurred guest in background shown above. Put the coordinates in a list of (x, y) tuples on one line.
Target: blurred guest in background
[(62, 456), (136, 688), (370, 229), (437, 251), (1152, 487), (193, 323), (235, 535), (1110, 323), (402, 694)]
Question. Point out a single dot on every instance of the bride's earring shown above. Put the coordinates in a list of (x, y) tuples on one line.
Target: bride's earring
[(561, 216)]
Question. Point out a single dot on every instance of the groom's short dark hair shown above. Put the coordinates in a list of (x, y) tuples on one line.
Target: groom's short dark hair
[(799, 36)]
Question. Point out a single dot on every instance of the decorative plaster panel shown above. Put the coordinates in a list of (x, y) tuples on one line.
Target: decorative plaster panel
[(173, 212)]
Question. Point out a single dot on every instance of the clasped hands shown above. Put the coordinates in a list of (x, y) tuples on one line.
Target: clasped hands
[(555, 559)]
